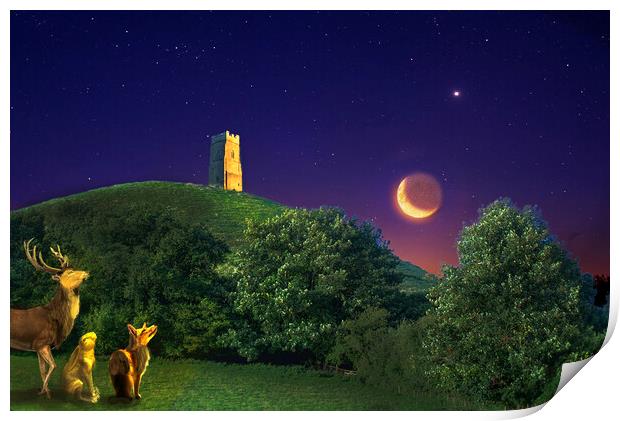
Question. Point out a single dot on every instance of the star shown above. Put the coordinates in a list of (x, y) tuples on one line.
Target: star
[(456, 94)]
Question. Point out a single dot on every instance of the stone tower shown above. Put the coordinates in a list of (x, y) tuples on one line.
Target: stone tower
[(225, 162)]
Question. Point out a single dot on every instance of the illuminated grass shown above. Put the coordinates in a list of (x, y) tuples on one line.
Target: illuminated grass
[(204, 385)]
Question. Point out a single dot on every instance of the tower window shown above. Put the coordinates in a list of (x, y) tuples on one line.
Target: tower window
[(232, 154)]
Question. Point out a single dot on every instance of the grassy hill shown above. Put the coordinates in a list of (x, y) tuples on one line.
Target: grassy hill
[(224, 212), (416, 278)]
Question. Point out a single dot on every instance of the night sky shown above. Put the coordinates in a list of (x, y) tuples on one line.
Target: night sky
[(333, 108)]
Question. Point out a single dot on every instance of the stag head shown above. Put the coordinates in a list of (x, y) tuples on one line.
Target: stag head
[(66, 276)]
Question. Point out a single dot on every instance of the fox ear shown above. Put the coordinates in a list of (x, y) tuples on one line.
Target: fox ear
[(132, 330)]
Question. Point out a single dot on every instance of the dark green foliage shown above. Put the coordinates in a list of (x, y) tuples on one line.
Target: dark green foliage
[(369, 345), (28, 287), (198, 328), (146, 265), (510, 314), (383, 356), (595, 316), (405, 305), (301, 273)]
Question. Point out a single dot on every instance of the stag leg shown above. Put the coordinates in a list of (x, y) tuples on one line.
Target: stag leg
[(42, 367), (46, 354)]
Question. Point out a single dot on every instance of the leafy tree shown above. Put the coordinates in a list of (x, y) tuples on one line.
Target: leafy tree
[(601, 284), (508, 316), (596, 315), (299, 274)]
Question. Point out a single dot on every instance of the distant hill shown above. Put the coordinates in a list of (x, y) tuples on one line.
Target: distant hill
[(224, 212), (416, 278)]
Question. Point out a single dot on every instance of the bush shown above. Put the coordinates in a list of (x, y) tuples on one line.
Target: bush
[(386, 357), (389, 358), (198, 327), (145, 266), (510, 314), (299, 274)]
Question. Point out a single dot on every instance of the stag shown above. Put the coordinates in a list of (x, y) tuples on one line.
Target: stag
[(43, 328)]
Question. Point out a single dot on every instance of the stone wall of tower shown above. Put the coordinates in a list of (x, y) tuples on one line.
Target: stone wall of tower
[(225, 162), (216, 160)]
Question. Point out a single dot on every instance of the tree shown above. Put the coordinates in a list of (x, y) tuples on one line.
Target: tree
[(601, 284), (595, 316), (299, 274), (508, 316)]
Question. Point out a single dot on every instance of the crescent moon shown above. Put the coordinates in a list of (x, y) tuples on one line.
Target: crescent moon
[(409, 208)]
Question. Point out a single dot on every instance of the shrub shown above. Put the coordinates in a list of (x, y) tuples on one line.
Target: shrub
[(389, 358)]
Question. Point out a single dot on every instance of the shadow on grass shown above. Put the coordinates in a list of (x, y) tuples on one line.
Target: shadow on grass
[(31, 396), (61, 401), (113, 400)]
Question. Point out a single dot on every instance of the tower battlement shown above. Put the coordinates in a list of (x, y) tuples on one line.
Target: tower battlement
[(225, 162), (231, 137)]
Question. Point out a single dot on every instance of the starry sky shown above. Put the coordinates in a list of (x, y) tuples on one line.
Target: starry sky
[(333, 108)]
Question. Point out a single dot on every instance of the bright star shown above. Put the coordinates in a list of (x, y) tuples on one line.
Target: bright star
[(456, 93)]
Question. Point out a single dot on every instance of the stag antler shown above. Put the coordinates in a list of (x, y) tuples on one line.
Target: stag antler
[(63, 259), (39, 264)]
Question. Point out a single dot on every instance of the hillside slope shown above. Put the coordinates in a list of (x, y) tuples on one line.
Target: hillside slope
[(415, 279), (224, 212)]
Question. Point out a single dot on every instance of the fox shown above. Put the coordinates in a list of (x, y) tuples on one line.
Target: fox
[(127, 366)]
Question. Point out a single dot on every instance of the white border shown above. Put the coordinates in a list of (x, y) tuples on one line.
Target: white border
[(591, 395)]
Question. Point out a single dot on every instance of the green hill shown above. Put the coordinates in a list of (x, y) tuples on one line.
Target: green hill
[(416, 278), (224, 212)]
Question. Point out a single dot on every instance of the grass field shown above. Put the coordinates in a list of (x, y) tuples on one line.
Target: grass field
[(203, 385)]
